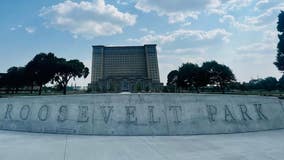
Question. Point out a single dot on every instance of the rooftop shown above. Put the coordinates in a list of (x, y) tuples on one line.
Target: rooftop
[(99, 46)]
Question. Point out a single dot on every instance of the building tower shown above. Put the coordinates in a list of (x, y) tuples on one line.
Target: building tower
[(125, 68)]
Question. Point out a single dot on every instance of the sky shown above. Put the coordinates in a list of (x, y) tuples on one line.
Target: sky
[(238, 33)]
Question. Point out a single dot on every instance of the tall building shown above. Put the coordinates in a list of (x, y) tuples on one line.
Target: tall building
[(125, 68)]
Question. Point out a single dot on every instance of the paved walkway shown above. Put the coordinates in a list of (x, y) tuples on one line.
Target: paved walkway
[(267, 145)]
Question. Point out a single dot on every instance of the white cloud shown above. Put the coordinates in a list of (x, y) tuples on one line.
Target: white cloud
[(257, 48), (266, 46), (232, 21), (186, 24), (226, 6), (261, 22), (122, 2), (262, 5), (177, 10), (12, 29), (146, 30), (229, 5), (267, 17), (181, 10), (182, 34), (243, 26), (30, 29), (87, 19), (188, 51)]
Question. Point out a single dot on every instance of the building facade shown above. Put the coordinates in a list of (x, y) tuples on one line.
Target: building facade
[(125, 68)]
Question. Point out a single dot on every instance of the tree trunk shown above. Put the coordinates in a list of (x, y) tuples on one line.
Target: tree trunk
[(197, 90), (40, 89), (64, 89), (32, 88), (222, 88), (7, 90)]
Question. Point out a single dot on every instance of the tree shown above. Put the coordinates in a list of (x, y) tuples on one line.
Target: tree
[(111, 86), (219, 74), (138, 87), (269, 83), (41, 69), (185, 75), (172, 77), (191, 75), (30, 76), (255, 84), (280, 47), (280, 23), (97, 87), (201, 79), (281, 83), (2, 80), (65, 70), (15, 78)]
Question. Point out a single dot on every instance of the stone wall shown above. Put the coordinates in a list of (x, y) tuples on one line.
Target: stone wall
[(141, 114)]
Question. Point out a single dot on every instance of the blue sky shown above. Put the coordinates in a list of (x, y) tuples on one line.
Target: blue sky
[(239, 33)]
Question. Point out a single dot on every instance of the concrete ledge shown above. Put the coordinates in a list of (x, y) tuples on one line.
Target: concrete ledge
[(141, 114)]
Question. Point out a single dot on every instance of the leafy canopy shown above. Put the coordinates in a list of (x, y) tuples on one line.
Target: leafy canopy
[(280, 47)]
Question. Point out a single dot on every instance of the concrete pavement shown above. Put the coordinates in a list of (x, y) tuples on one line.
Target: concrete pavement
[(245, 146)]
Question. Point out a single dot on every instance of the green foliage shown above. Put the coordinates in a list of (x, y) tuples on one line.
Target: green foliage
[(280, 23), (97, 88), (219, 74), (147, 89), (281, 83), (192, 76), (41, 69), (15, 78), (172, 77), (255, 84), (185, 74), (138, 87), (111, 87), (270, 83), (280, 47), (66, 70), (2, 80)]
